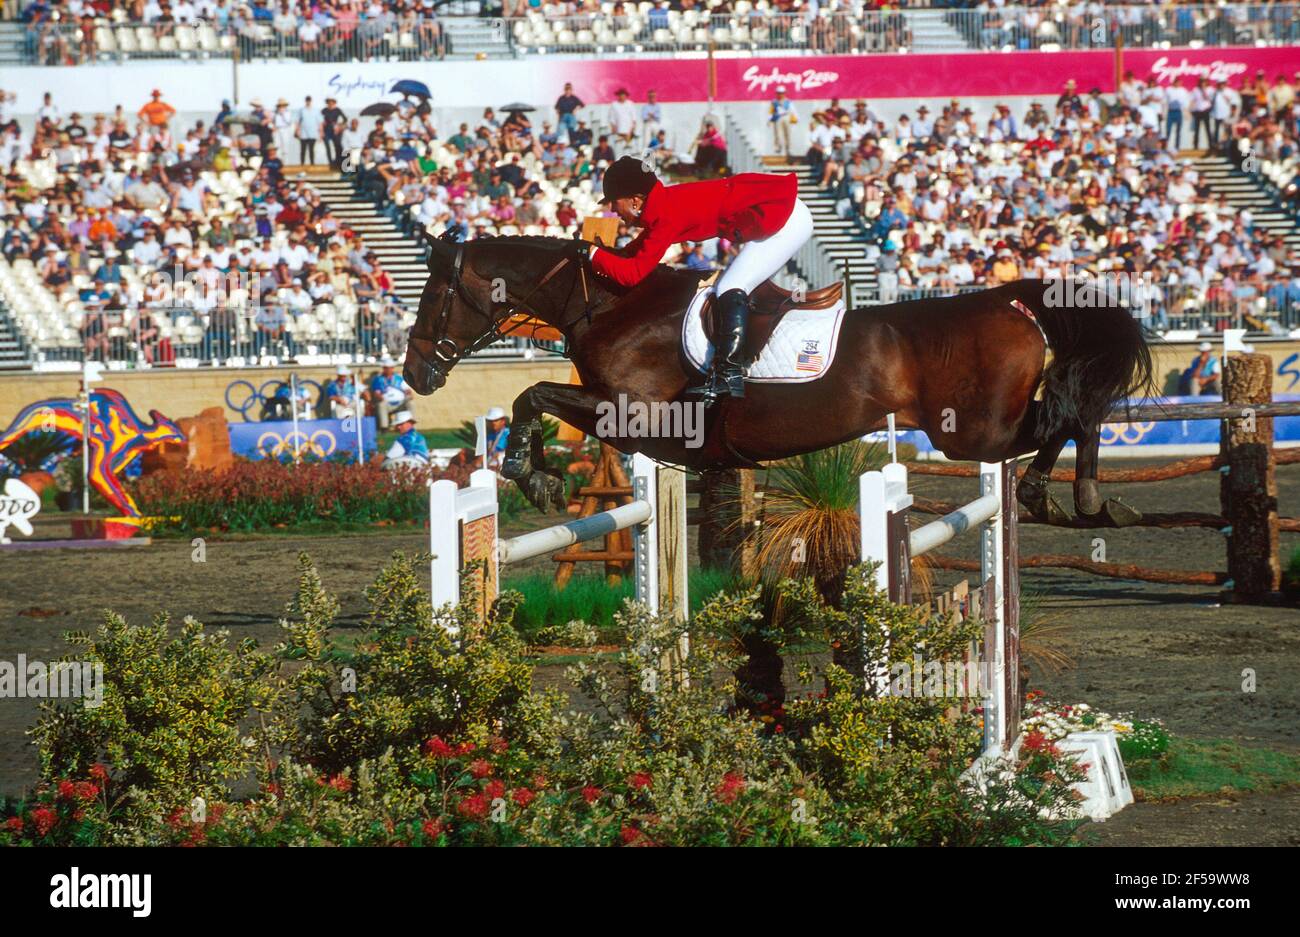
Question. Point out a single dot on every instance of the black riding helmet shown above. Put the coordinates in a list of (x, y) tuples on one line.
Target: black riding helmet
[(627, 177)]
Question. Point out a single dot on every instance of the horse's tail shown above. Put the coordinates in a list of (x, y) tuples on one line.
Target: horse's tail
[(1099, 353)]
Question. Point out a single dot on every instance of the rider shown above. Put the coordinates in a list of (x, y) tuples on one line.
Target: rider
[(760, 211)]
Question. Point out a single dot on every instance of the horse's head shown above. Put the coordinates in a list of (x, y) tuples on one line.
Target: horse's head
[(473, 288)]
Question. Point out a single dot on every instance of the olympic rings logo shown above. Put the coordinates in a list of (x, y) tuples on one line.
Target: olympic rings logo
[(245, 399), (321, 444), (1124, 434)]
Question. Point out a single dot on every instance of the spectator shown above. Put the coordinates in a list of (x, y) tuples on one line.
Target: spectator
[(782, 116), (308, 130), (157, 113), (567, 106)]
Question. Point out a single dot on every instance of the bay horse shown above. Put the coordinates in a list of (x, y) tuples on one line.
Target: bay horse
[(970, 370)]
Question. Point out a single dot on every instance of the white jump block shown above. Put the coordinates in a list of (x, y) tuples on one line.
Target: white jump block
[(1106, 791)]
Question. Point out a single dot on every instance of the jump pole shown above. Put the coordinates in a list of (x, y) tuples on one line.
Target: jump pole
[(463, 527)]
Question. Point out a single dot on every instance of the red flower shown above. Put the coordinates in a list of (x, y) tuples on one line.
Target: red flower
[(433, 828), (43, 818), (1035, 741), (590, 793), (438, 748), (67, 790), (98, 773), (480, 768), (640, 779), (499, 746), (464, 748), (273, 789), (732, 786), (523, 796), (85, 791), (629, 834), (14, 824), (474, 807), (495, 788), (341, 783)]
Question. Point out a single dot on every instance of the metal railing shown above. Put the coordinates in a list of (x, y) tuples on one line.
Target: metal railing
[(145, 337), (1259, 306), (412, 37)]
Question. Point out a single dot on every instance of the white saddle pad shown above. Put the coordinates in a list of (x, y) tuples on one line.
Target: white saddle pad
[(800, 350)]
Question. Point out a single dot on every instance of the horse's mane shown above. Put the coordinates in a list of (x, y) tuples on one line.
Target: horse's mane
[(662, 276)]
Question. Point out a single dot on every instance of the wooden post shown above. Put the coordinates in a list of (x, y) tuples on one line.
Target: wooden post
[(1248, 488)]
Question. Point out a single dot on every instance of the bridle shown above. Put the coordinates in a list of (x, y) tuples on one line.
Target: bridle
[(447, 352)]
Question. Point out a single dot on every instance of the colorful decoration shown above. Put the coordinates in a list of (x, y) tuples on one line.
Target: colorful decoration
[(117, 436)]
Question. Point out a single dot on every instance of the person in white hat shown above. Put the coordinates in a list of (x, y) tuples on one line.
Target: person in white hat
[(1202, 376), (342, 393), (387, 392), (413, 444), (781, 114), (498, 434)]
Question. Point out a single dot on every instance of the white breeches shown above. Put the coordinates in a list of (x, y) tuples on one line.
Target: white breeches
[(760, 260)]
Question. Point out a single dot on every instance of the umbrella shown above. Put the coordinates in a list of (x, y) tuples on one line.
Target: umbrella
[(378, 109), (518, 107), (416, 89)]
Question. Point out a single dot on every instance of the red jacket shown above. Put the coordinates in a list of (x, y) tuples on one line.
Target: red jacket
[(750, 206)]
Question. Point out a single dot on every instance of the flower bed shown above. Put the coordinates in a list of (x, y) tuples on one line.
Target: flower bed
[(265, 495)]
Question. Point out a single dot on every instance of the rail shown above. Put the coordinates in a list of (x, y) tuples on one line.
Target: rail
[(540, 542), (938, 532)]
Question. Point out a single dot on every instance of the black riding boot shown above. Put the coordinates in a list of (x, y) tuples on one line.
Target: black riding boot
[(727, 375)]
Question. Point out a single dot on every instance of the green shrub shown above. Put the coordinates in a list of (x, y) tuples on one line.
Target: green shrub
[(425, 730)]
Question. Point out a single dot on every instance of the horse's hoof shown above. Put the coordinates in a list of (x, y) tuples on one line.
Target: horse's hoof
[(1119, 514), (516, 465), (545, 492), (1041, 506)]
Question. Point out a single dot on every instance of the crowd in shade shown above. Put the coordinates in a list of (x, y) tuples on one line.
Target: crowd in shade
[(145, 230), (1087, 181)]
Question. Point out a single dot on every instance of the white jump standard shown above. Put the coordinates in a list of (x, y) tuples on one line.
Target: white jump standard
[(463, 528)]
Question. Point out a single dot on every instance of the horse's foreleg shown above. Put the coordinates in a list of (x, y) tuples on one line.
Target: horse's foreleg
[(1087, 491), (525, 457)]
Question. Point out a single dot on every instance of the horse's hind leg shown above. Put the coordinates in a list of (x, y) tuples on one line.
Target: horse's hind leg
[(1087, 491), (1031, 490)]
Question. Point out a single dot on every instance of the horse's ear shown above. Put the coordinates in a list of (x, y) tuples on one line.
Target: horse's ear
[(439, 247)]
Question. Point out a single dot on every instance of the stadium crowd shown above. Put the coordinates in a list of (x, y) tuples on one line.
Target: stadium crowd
[(1087, 181), (151, 240), (152, 236), (77, 31)]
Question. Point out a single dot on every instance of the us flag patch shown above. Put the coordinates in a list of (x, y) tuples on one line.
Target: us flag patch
[(807, 362)]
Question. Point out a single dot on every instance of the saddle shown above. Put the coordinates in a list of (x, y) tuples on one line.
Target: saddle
[(769, 303)]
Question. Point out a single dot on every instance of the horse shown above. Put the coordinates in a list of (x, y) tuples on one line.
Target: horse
[(971, 370)]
